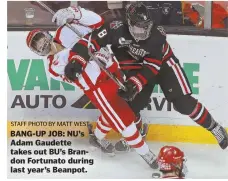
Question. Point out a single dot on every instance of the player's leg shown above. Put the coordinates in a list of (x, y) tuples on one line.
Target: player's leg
[(102, 128), (122, 146), (190, 106), (135, 140), (121, 118), (97, 137), (140, 102), (176, 88)]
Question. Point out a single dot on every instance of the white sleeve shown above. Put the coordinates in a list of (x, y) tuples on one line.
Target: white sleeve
[(56, 67), (90, 19)]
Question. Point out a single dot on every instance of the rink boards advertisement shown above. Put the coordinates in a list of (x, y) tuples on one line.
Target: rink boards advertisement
[(48, 119), (33, 95)]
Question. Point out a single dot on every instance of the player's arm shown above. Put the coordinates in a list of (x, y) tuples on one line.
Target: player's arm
[(81, 19), (75, 67), (90, 19), (78, 15), (59, 73), (150, 68)]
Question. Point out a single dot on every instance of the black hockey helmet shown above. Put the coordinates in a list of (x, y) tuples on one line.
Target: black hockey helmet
[(139, 20)]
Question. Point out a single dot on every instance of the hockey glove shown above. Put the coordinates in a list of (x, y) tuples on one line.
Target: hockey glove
[(134, 86), (73, 70), (66, 15), (104, 56)]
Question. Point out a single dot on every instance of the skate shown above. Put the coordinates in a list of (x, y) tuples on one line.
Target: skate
[(122, 146), (151, 159), (105, 146), (221, 135)]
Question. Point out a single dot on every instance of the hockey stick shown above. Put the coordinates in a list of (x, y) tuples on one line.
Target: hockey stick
[(113, 77)]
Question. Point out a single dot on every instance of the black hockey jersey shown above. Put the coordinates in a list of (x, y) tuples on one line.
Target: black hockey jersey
[(147, 55)]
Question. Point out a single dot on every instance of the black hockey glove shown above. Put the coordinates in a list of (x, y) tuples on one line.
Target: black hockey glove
[(134, 86), (73, 70)]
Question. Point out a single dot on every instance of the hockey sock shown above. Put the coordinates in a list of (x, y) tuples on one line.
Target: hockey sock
[(143, 128), (134, 139), (202, 117), (102, 128), (138, 121)]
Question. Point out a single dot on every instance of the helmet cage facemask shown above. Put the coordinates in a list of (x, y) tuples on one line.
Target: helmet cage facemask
[(44, 48), (183, 170), (139, 24), (140, 31)]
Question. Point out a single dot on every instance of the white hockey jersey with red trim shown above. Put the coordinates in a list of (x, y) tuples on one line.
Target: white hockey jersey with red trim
[(68, 38), (91, 75)]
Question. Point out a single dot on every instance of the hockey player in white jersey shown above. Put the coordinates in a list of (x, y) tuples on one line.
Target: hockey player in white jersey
[(77, 68)]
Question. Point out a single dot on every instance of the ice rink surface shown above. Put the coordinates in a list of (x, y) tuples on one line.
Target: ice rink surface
[(203, 161)]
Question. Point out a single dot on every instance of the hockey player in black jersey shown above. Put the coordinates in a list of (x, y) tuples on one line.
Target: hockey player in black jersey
[(147, 59)]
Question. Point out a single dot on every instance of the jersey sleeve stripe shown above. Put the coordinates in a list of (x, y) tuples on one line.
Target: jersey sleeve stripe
[(137, 83), (165, 47), (97, 25), (50, 64), (83, 42), (142, 79), (79, 58), (153, 65), (96, 44), (153, 61), (167, 50), (152, 69), (168, 53), (57, 35), (73, 56)]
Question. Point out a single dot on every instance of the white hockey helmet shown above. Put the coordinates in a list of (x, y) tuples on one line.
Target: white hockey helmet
[(39, 41)]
